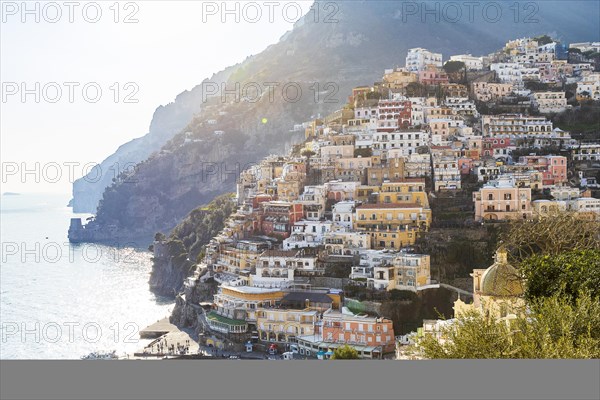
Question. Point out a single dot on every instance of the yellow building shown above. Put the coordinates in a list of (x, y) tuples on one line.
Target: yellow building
[(235, 258), (314, 129), (406, 191), (380, 171), (405, 272), (238, 305), (298, 313), (290, 188), (284, 325), (363, 192), (393, 225), (398, 78), (497, 290)]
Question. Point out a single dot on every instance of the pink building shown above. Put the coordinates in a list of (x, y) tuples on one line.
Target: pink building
[(497, 147), (465, 165), (553, 168), (358, 330), (276, 218), (433, 76), (393, 114), (502, 200)]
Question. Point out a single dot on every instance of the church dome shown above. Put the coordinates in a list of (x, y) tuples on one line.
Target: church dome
[(501, 279)]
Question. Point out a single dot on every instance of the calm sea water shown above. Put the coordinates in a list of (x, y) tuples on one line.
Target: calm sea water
[(62, 301)]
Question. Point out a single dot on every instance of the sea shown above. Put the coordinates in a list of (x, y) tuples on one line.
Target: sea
[(62, 300)]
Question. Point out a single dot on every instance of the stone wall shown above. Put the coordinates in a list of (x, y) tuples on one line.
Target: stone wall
[(329, 282)]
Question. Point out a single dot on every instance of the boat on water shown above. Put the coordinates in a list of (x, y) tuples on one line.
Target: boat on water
[(101, 355)]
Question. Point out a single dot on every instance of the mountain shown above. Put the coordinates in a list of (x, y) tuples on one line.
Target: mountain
[(166, 122), (209, 142)]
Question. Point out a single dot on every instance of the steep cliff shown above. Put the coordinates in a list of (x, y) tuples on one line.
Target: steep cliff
[(325, 59), (175, 256), (166, 122)]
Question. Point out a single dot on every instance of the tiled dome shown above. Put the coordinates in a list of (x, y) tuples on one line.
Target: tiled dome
[(501, 279)]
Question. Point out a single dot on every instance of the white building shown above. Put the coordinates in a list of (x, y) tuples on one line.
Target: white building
[(343, 214), (405, 142), (446, 174), (564, 193), (275, 268), (307, 234), (550, 102), (369, 259), (586, 152), (589, 87), (472, 63), (515, 72), (588, 205), (514, 125), (313, 200), (586, 46), (418, 165), (418, 58), (461, 106), (347, 243)]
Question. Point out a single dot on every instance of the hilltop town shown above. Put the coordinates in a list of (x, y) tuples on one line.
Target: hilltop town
[(438, 152)]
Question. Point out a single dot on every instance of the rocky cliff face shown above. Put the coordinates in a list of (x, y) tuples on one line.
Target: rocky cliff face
[(325, 60), (169, 271), (175, 257), (166, 122), (185, 313)]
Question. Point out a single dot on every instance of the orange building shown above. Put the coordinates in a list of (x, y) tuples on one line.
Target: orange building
[(360, 330)]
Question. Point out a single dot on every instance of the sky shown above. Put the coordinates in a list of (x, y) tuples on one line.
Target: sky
[(79, 80)]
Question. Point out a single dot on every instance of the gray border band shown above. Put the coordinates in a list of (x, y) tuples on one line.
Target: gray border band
[(229, 379)]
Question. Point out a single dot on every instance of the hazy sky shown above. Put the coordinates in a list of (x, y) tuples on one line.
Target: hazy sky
[(172, 47)]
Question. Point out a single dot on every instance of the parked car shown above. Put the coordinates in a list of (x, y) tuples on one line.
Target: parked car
[(273, 349)]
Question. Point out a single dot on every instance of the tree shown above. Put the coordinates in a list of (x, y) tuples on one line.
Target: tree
[(472, 336), (456, 70), (543, 39), (551, 235), (415, 89), (454, 66), (567, 273), (307, 153), (374, 95), (536, 86), (345, 353), (554, 327)]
